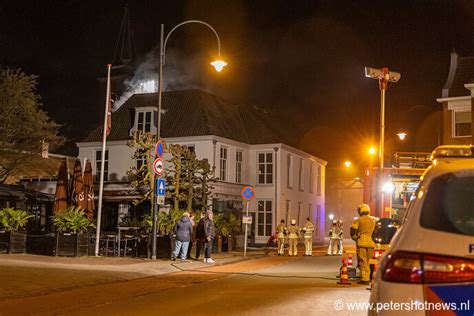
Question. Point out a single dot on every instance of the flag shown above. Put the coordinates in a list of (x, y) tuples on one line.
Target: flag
[(108, 104), (109, 115)]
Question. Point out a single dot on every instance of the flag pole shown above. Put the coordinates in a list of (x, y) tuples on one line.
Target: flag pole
[(102, 161)]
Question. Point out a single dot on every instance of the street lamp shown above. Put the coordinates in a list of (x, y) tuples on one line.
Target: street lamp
[(384, 76), (218, 65), (347, 163), (402, 135)]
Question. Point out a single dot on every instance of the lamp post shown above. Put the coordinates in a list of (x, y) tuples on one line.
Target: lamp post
[(218, 65), (384, 76)]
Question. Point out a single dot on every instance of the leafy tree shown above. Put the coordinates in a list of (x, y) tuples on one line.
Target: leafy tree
[(23, 125), (141, 178), (204, 184)]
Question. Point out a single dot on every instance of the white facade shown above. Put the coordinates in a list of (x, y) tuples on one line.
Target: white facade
[(288, 182)]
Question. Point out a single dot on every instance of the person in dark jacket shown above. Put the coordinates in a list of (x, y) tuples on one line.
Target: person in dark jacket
[(209, 232), (183, 231), (200, 235)]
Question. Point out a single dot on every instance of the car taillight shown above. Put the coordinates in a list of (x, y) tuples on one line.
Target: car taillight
[(378, 253), (418, 268)]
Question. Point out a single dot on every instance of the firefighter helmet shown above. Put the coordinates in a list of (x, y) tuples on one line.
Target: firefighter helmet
[(363, 209)]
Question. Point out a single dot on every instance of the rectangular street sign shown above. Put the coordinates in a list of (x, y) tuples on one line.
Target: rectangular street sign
[(160, 200), (160, 187), (246, 219)]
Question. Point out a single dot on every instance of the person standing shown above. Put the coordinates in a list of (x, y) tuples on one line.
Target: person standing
[(308, 230), (281, 234), (209, 232), (361, 231), (340, 238), (334, 234), (293, 238), (200, 235), (193, 235), (183, 231)]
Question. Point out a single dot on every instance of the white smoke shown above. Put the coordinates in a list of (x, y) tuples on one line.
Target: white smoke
[(180, 74), (145, 79)]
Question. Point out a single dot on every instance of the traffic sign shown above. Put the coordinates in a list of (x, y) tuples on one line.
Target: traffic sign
[(159, 148), (248, 193), (247, 219), (160, 187), (160, 200), (158, 166)]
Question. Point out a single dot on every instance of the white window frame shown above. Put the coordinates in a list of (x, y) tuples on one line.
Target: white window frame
[(318, 181), (265, 164), (311, 179), (223, 154), (239, 158), (289, 171), (301, 175), (145, 125), (267, 224), (453, 130), (98, 160), (300, 211), (288, 210)]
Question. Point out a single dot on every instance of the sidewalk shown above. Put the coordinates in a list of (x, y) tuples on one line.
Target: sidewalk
[(143, 266)]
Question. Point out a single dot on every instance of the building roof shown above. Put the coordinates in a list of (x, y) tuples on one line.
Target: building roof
[(198, 113), (461, 72)]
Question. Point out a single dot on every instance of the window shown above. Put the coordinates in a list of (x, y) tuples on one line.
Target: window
[(98, 161), (318, 182), (144, 121), (238, 166), (140, 159), (287, 207), (264, 218), (310, 211), (462, 121), (289, 171), (311, 181), (265, 168), (301, 176), (223, 164), (299, 221), (448, 204)]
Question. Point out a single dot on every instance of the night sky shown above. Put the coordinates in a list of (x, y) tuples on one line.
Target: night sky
[(304, 59)]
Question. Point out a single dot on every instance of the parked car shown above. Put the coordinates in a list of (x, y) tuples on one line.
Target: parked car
[(385, 229), (431, 257)]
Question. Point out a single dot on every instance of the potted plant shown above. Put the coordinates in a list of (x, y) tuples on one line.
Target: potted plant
[(12, 223), (72, 225), (227, 228)]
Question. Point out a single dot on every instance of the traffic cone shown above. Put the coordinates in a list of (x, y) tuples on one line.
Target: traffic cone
[(349, 262), (344, 277)]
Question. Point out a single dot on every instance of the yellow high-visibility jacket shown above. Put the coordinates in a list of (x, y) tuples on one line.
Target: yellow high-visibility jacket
[(293, 231), (281, 230), (308, 230), (364, 226)]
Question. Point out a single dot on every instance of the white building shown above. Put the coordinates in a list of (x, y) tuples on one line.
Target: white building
[(240, 141)]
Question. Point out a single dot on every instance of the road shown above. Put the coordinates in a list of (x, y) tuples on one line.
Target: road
[(267, 286)]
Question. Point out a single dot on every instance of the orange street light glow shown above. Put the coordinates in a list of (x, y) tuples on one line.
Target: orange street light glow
[(371, 150), (219, 65), (347, 164)]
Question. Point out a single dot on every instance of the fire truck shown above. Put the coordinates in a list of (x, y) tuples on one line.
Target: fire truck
[(403, 176)]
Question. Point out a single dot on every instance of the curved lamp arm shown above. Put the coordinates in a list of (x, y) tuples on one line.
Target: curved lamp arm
[(187, 22)]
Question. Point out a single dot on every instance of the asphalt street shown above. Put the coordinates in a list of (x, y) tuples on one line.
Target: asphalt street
[(266, 286)]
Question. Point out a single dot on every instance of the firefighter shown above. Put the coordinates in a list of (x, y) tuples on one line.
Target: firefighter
[(340, 238), (308, 230), (361, 231), (281, 234), (334, 235), (293, 238)]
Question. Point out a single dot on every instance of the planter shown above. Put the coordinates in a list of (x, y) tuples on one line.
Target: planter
[(12, 242), (73, 245), (163, 247), (217, 244), (41, 244)]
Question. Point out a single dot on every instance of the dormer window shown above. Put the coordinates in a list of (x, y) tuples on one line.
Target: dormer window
[(144, 121)]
